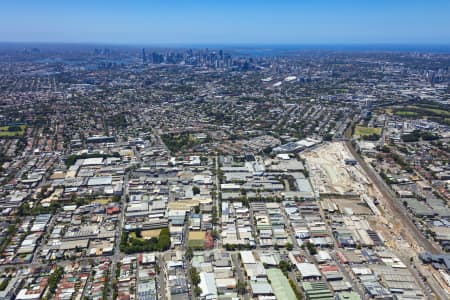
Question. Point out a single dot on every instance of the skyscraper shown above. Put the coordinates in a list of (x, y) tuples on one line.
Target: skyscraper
[(144, 56)]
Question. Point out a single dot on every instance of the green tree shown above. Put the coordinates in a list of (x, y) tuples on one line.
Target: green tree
[(164, 239), (54, 278), (289, 246), (14, 128), (298, 294), (311, 248), (328, 137), (195, 276), (197, 291), (241, 287), (214, 215), (195, 190), (284, 266), (189, 253)]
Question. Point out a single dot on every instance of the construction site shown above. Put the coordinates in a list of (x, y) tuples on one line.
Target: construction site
[(345, 188), (333, 171)]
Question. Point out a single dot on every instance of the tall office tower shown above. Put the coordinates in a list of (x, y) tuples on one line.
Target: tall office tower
[(144, 56)]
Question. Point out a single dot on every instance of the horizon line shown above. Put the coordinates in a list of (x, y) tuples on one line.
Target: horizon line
[(230, 43)]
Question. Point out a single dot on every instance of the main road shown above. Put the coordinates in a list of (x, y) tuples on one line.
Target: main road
[(117, 255), (240, 273)]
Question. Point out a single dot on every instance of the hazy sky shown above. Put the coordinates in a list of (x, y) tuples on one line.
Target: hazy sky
[(222, 22)]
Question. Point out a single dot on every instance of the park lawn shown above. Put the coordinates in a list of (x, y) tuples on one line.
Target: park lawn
[(440, 112), (361, 131), (197, 244), (403, 113), (179, 141), (134, 236), (5, 133)]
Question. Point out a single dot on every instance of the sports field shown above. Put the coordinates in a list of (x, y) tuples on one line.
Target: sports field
[(196, 239), (12, 131), (361, 131)]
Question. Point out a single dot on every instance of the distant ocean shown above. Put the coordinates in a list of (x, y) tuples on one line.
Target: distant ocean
[(248, 49), (268, 50), (291, 49)]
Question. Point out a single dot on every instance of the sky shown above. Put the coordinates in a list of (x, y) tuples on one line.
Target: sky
[(226, 22)]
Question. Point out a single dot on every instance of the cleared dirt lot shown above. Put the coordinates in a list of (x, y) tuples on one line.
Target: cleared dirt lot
[(329, 172), (357, 206)]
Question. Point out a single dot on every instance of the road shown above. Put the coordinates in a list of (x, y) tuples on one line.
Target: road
[(241, 277), (292, 274), (38, 250), (348, 275), (431, 281), (162, 292), (116, 257), (216, 197)]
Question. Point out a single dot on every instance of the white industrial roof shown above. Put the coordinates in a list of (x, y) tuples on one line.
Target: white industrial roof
[(247, 257), (100, 180), (308, 270), (93, 161), (208, 285)]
